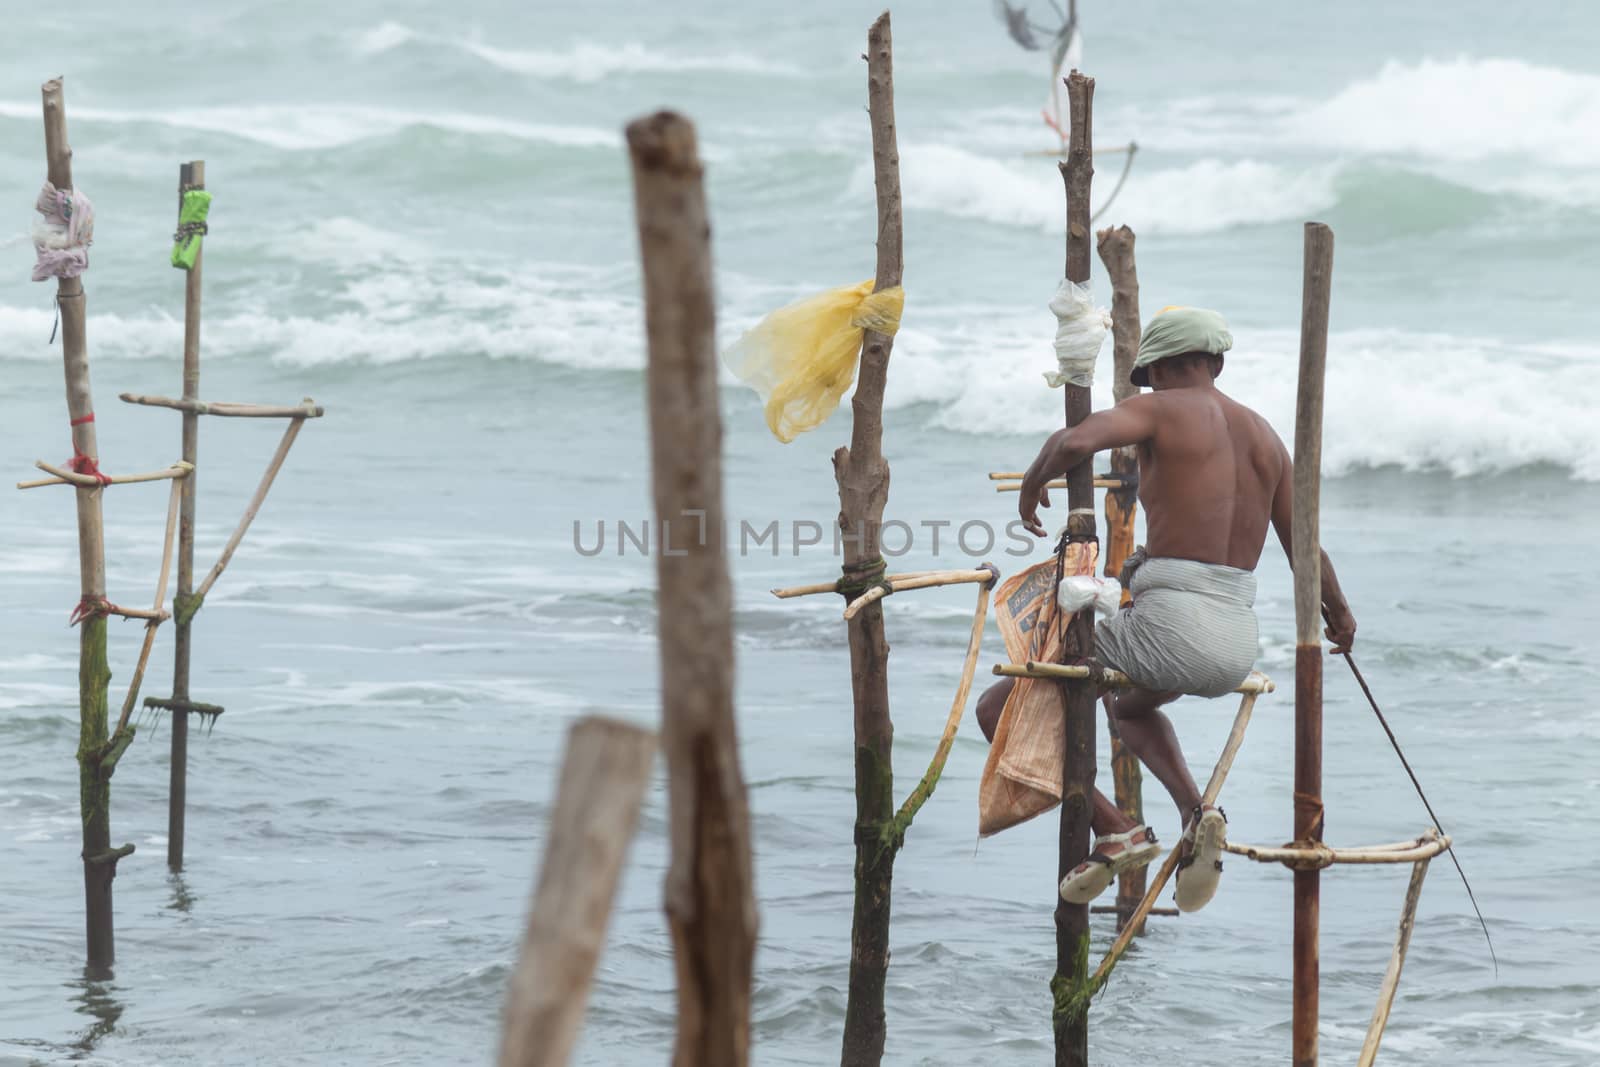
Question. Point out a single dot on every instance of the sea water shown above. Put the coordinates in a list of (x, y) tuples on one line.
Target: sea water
[(423, 219)]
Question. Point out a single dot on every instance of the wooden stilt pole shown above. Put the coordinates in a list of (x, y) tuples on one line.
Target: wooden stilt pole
[(1308, 823), (94, 675), (863, 478), (604, 776), (190, 176), (1070, 1016), (710, 900), (1122, 505)]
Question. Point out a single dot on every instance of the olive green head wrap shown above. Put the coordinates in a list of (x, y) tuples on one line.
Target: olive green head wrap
[(1177, 331)]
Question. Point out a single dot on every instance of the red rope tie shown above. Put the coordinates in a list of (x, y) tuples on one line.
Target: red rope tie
[(79, 422), (91, 607), (82, 464)]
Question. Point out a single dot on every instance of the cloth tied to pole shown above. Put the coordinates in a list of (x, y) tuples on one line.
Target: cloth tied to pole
[(192, 226), (801, 359), (1080, 331), (63, 233), (82, 464), (91, 607)]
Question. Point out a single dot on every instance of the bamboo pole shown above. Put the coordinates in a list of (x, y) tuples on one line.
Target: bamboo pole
[(1397, 961), (1104, 677), (94, 675), (190, 176), (59, 476), (862, 475), (941, 753), (161, 598), (1308, 637), (833, 586), (1324, 856), (1060, 483), (305, 410), (1122, 505), (924, 581), (1070, 1015), (604, 775), (710, 900), (290, 432), (1219, 775)]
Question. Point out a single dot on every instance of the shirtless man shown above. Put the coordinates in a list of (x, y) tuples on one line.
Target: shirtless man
[(1212, 476)]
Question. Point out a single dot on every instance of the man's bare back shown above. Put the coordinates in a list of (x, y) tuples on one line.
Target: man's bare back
[(1213, 475), (1207, 477)]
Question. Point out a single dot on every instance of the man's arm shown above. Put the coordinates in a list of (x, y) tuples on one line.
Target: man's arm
[(1335, 609), (1131, 422)]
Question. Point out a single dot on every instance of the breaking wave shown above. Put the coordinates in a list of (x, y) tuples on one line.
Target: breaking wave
[(300, 127), (1203, 197), (582, 62)]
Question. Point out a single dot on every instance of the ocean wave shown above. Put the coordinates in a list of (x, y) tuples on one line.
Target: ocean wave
[(305, 127), (1420, 402), (1203, 197), (582, 62), (1463, 109)]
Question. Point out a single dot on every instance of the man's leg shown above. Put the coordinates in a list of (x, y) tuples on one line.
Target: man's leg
[(1106, 817), (990, 704), (1148, 733)]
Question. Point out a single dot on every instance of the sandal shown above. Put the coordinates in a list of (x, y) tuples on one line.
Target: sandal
[(1205, 834), (1092, 877)]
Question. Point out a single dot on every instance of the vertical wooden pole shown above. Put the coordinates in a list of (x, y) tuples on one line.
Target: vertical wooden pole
[(710, 900), (94, 675), (1122, 505), (862, 474), (1308, 823), (190, 176), (1070, 1017), (604, 775)]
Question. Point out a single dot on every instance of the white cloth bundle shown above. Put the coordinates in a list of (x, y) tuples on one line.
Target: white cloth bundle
[(1080, 590), (1080, 330)]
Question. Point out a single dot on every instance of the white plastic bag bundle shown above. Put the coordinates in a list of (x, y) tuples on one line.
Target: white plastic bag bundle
[(1081, 590), (1080, 330)]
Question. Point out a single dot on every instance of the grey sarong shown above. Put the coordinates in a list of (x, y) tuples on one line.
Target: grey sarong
[(1191, 627)]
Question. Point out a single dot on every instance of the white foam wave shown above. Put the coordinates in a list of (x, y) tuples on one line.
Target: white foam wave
[(301, 127), (583, 62), (588, 63), (406, 312), (1203, 197), (1416, 401), (384, 37), (1463, 109)]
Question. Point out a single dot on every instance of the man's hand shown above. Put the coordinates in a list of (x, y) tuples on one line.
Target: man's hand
[(1030, 500), (1341, 629)]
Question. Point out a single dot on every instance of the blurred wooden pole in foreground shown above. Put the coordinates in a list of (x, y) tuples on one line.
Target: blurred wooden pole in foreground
[(710, 899), (603, 779)]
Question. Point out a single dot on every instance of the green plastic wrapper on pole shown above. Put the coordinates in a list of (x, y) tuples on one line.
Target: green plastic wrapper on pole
[(191, 228)]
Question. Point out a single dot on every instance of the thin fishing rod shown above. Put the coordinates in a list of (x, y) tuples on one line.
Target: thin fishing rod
[(1407, 765)]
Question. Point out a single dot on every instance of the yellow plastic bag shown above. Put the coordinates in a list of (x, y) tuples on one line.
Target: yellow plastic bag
[(802, 358)]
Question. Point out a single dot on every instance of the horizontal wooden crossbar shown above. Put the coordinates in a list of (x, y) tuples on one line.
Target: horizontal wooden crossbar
[(305, 410), (833, 587), (59, 476), (1255, 683), (170, 704), (1317, 856), (987, 575)]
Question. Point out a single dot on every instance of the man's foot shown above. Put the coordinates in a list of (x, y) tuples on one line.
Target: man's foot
[(1200, 869), (1112, 855)]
